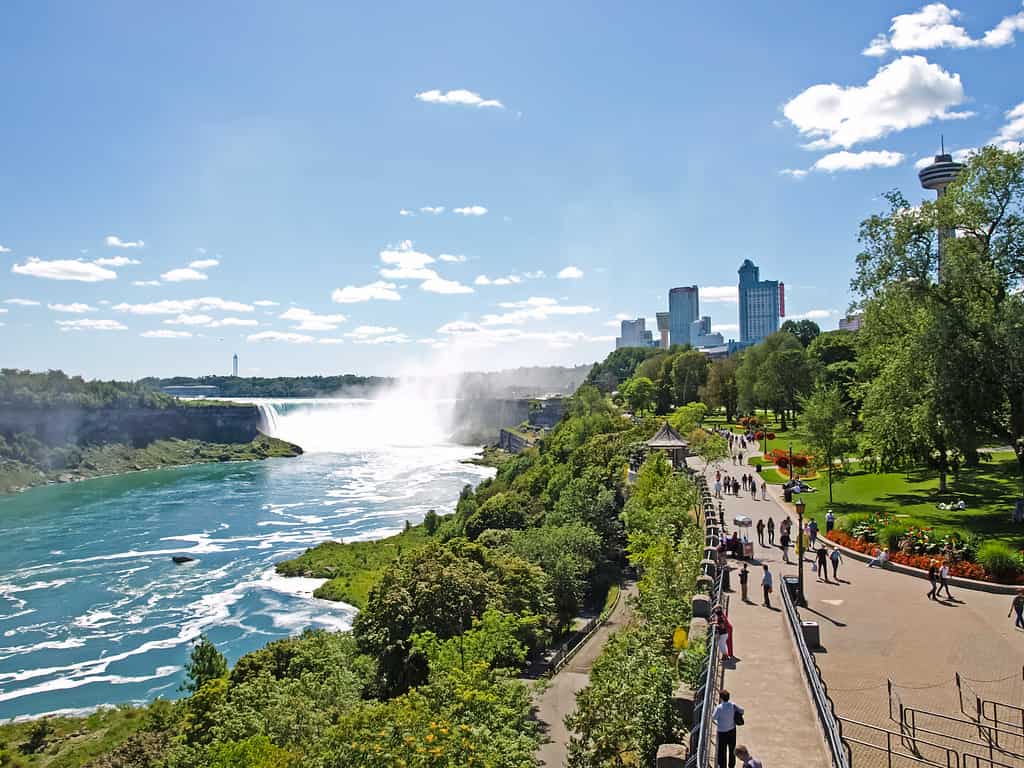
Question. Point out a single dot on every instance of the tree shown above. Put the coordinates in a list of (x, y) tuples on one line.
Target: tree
[(689, 374), (205, 663), (806, 331), (684, 420), (720, 390), (826, 426), (639, 393), (713, 448)]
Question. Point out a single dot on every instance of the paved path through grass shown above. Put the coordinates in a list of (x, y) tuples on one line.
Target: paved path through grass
[(559, 698)]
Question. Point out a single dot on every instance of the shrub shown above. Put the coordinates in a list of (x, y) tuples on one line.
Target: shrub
[(999, 560), (849, 522), (890, 536)]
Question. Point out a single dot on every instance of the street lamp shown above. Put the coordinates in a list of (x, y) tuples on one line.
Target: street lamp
[(801, 600)]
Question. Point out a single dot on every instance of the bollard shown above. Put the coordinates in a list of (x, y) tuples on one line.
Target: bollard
[(701, 606)]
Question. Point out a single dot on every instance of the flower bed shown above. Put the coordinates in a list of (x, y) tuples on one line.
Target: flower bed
[(961, 569)]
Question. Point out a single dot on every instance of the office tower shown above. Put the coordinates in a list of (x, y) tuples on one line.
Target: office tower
[(664, 324), (939, 175), (234, 365), (683, 310), (760, 304), (634, 334), (701, 335)]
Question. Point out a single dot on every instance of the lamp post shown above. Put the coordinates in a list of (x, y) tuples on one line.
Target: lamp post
[(800, 552)]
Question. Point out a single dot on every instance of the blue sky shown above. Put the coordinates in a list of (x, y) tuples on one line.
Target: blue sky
[(254, 159)]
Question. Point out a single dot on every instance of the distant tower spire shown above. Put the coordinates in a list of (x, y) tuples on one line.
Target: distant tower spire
[(939, 175), (234, 365)]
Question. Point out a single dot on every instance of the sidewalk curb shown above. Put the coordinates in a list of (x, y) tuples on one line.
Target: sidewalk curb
[(956, 581)]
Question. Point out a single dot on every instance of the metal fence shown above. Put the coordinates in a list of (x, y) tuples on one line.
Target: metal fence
[(831, 725)]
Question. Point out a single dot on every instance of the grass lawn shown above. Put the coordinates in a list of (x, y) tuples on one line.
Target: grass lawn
[(73, 742), (782, 439), (354, 568), (990, 492)]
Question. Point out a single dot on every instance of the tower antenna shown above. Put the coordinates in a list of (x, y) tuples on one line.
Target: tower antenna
[(942, 143)]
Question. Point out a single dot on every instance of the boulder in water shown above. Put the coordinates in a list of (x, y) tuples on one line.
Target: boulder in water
[(182, 559)]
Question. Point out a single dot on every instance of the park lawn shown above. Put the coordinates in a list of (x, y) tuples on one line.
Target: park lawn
[(73, 741), (990, 491), (782, 439), (353, 569)]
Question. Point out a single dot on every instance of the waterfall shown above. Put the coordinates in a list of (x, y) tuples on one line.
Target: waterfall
[(268, 419)]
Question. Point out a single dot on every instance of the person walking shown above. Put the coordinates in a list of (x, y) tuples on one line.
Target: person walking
[(944, 579), (764, 491), (812, 533), (1017, 604), (766, 587), (771, 532), (718, 489), (760, 532), (822, 556), (725, 716), (749, 761), (933, 577), (835, 556), (784, 542), (744, 575), (830, 522)]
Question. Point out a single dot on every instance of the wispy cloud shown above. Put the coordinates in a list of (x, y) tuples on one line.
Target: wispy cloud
[(440, 285), (145, 283), (533, 308), (459, 96), (376, 291), (814, 314), (367, 331), (405, 212), (165, 334), (183, 275), (113, 241), (90, 324), (5, 249), (570, 273), (204, 263), (266, 303), (509, 280), (715, 293), (176, 307), (290, 338), (471, 210), (452, 258), (76, 308), (116, 261), (22, 302), (310, 321), (65, 269), (850, 161), (432, 210)]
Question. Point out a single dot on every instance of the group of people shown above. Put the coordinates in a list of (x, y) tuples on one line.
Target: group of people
[(731, 485)]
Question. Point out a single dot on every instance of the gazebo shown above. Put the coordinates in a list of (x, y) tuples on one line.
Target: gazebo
[(672, 443)]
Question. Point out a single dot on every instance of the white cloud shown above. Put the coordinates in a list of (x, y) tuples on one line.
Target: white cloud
[(89, 324), (64, 269), (857, 161), (1012, 133), (476, 335), (724, 293), (175, 307), (535, 275), (960, 155), (432, 210), (796, 173), (145, 283), (934, 27), (165, 334), (406, 263), (570, 273), (204, 263), (458, 96), (725, 328), (113, 241), (4, 249), (291, 338), (76, 308), (234, 321), (440, 285), (184, 319), (509, 280), (266, 303), (354, 294), (404, 212), (533, 308), (368, 331), (182, 275), (116, 261), (814, 314), (4, 310), (452, 258), (471, 210), (905, 93), (330, 340), (201, 251), (22, 302), (310, 321)]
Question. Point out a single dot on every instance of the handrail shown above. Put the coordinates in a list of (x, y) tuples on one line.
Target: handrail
[(830, 723), (891, 751), (562, 657)]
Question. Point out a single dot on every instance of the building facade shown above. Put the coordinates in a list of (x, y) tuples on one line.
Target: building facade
[(683, 310), (634, 333), (760, 304), (851, 322), (664, 327)]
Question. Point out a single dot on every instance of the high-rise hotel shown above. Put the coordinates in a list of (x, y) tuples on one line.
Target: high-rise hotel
[(762, 303)]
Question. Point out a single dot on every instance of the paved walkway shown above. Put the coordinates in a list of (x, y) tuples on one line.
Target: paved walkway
[(559, 698), (766, 680)]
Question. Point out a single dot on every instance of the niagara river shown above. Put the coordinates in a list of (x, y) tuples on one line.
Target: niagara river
[(92, 609)]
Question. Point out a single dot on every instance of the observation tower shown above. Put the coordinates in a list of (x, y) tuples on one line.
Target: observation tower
[(937, 176)]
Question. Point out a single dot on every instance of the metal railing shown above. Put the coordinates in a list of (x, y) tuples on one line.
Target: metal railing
[(988, 709), (830, 723), (565, 654)]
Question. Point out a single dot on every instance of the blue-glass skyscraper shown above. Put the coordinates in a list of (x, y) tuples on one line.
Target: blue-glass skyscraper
[(759, 304), (683, 310)]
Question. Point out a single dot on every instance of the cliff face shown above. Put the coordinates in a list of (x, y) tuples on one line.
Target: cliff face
[(133, 426), (477, 421)]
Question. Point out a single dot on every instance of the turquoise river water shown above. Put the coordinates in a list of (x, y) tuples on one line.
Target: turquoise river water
[(92, 609)]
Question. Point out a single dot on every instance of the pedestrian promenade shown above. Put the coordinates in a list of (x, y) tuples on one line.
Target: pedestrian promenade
[(781, 725)]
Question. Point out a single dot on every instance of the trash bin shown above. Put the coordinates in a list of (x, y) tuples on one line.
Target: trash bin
[(792, 586), (787, 494), (812, 634)]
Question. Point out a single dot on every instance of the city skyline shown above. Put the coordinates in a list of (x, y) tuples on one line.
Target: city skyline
[(179, 188)]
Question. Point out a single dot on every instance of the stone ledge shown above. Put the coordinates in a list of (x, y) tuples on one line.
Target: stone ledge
[(955, 581)]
